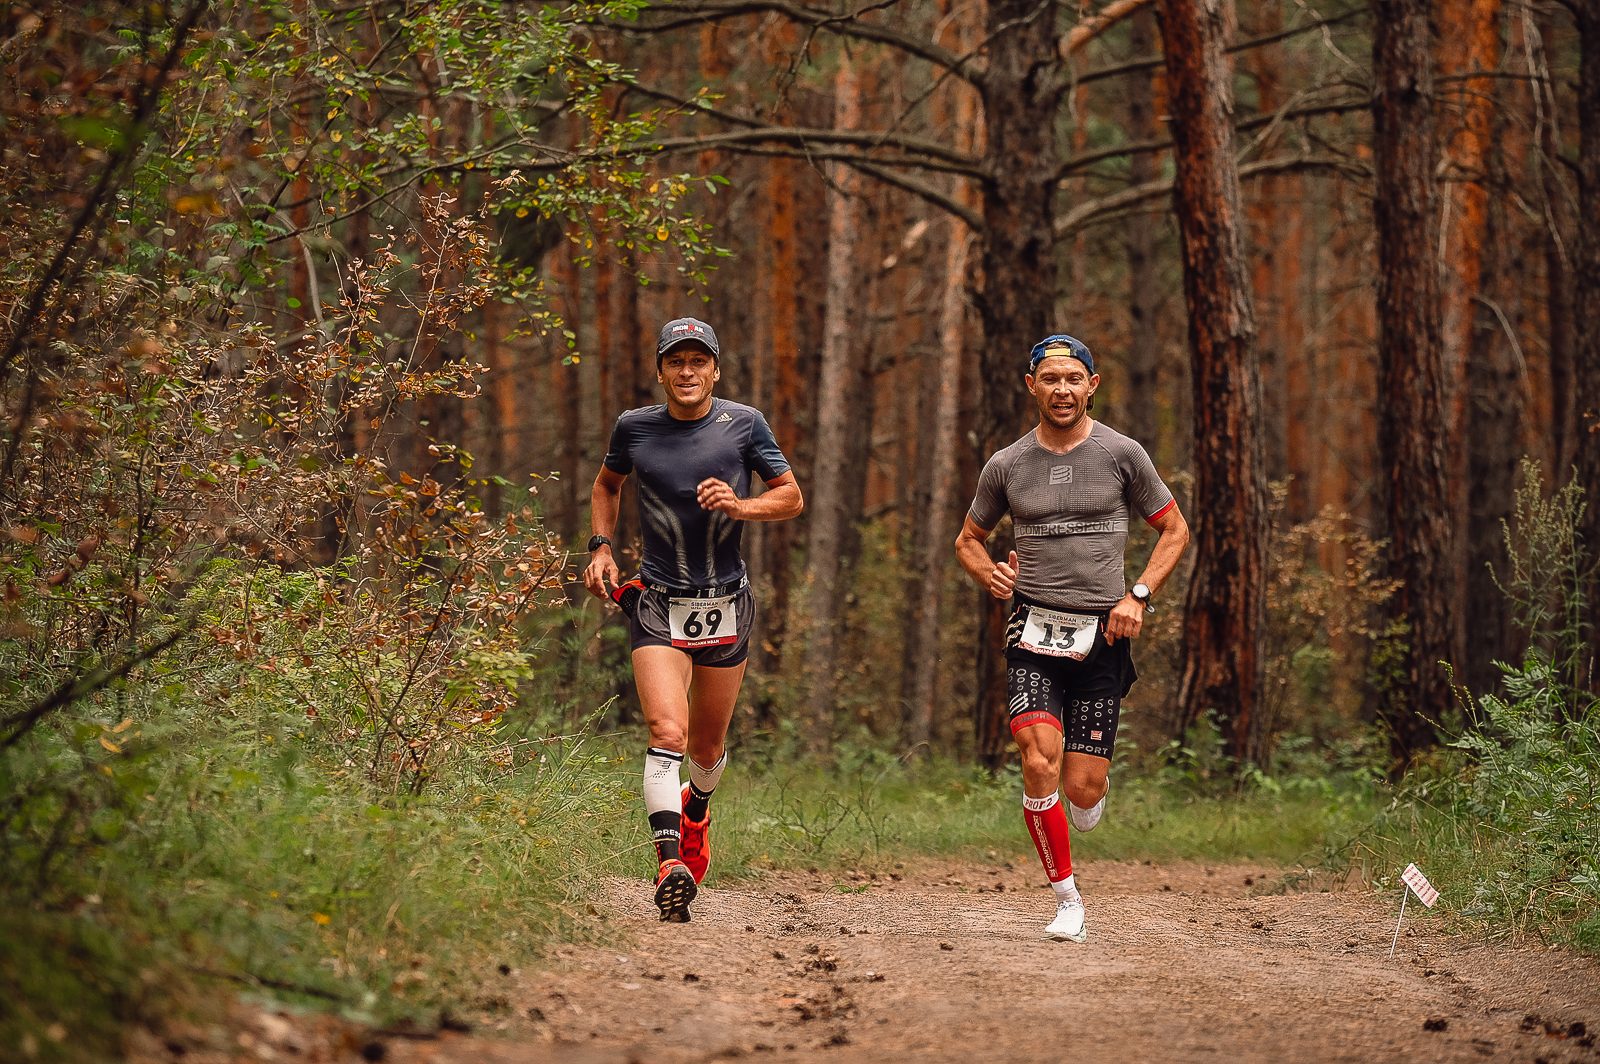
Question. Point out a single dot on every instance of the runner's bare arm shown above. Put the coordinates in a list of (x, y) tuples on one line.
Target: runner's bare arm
[(1127, 618), (604, 501), (781, 501), (1168, 549), (997, 578)]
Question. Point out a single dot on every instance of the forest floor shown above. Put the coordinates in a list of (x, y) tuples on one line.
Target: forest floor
[(948, 962)]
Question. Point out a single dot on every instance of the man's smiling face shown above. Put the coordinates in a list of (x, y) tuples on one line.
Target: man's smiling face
[(1061, 387), (688, 372)]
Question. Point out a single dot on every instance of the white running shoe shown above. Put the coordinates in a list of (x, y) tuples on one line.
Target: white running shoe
[(1086, 819), (1068, 924)]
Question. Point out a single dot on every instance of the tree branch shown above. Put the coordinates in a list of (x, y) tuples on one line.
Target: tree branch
[(703, 11), (70, 691), (1090, 28), (938, 156), (1085, 213), (920, 189), (1139, 147), (1151, 62), (877, 168)]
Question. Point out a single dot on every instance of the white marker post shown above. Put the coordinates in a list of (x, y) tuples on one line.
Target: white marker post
[(1414, 880)]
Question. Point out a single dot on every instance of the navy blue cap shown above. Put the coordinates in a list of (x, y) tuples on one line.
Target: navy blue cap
[(1060, 344), (681, 331)]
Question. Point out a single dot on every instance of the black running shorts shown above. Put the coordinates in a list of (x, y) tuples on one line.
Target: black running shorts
[(651, 626), (1081, 698)]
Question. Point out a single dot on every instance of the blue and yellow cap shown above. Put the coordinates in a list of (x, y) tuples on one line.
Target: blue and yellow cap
[(1060, 344)]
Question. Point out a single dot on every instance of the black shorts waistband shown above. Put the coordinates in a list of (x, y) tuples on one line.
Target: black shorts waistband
[(699, 592)]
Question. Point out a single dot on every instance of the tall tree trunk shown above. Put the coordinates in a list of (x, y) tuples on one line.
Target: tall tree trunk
[(775, 540), (1226, 608), (1586, 304), (1019, 280), (1474, 401), (1138, 391), (569, 402), (1412, 384), (840, 379), (937, 474), (1557, 258), (930, 543), (1495, 405), (1272, 263)]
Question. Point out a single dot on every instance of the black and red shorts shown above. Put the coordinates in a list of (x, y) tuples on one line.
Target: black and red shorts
[(1081, 698)]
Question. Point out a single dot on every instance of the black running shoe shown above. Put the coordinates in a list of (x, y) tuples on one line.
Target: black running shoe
[(675, 889)]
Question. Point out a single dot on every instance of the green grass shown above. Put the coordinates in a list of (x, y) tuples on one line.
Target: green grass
[(221, 851), (884, 814), (199, 855)]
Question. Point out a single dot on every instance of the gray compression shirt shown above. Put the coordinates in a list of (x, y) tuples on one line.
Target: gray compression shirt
[(686, 546), (1069, 513)]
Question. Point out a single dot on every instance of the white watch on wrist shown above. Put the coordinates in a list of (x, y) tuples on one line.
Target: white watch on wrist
[(1141, 592)]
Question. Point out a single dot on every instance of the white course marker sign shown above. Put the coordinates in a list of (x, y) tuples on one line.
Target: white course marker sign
[(1414, 881)]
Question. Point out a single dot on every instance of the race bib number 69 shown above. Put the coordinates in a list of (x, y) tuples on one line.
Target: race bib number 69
[(702, 622), (1059, 635)]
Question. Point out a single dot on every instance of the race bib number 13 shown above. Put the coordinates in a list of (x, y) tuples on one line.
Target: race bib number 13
[(702, 622), (1059, 635)]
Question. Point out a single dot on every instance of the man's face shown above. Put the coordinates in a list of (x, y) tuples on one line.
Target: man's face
[(1061, 386), (688, 371)]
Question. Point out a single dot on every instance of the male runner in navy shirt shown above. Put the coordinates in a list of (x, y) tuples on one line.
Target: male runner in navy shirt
[(690, 609), (1070, 485)]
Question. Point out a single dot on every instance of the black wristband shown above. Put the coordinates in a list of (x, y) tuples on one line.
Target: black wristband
[(596, 542)]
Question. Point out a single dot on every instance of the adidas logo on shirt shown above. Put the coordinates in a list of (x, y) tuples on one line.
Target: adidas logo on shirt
[(1061, 474), (725, 416)]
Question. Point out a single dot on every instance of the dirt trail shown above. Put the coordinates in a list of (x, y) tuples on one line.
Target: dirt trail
[(1183, 963)]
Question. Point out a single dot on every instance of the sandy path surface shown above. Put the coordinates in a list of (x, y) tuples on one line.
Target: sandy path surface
[(1183, 963)]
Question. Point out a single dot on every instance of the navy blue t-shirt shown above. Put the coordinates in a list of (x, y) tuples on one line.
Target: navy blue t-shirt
[(686, 546)]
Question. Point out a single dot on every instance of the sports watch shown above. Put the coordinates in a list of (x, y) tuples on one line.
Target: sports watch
[(596, 542), (1141, 591)]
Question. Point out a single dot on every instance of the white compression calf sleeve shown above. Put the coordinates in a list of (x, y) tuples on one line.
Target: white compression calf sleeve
[(663, 792), (705, 780)]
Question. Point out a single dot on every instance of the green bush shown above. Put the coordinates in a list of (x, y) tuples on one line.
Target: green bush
[(1508, 820), (145, 859)]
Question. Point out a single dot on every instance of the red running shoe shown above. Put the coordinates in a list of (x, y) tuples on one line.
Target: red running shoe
[(693, 844), (675, 889)]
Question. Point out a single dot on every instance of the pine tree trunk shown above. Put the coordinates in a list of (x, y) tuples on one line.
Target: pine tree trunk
[(1226, 608), (838, 382), (1586, 305), (1558, 274), (1495, 400), (775, 539), (931, 537), (1019, 280), (1143, 361), (1478, 407), (1412, 414)]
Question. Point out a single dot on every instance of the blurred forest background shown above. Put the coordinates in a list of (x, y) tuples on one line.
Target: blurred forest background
[(316, 317), (879, 210)]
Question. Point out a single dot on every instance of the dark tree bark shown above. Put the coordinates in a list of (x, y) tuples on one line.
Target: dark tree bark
[(936, 475), (1494, 414), (1558, 276), (845, 378), (1226, 608), (1020, 93), (1412, 401), (1138, 391), (1586, 303)]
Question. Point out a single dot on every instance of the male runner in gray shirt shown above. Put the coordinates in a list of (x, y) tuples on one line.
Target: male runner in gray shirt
[(1070, 485)]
